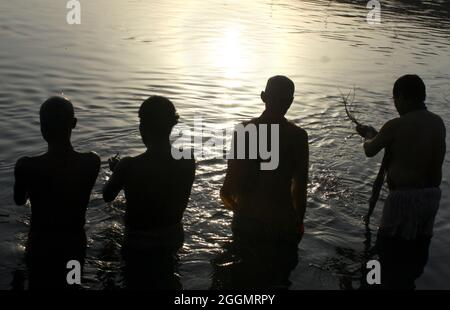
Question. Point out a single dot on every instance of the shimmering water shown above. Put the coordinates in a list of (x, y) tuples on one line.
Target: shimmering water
[(213, 58)]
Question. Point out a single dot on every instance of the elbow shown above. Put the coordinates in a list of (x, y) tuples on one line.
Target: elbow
[(20, 198), (369, 153), (108, 197), (20, 201)]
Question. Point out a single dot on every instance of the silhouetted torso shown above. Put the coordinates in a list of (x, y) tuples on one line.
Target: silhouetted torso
[(417, 151), (415, 148), (266, 195), (157, 189), (59, 188), (58, 185)]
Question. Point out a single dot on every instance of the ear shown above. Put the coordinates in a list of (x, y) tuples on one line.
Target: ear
[(290, 102), (263, 96), (402, 101), (74, 123)]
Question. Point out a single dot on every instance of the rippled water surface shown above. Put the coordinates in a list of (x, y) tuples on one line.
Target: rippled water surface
[(213, 59)]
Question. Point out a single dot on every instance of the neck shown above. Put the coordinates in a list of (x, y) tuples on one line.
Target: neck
[(160, 145), (416, 107), (60, 147), (269, 115)]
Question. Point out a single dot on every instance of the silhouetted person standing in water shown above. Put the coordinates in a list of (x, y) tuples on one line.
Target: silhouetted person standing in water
[(157, 189), (58, 185), (269, 205), (415, 148)]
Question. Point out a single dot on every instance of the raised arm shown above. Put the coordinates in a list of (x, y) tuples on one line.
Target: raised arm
[(300, 180), (376, 141), (20, 183), (115, 183)]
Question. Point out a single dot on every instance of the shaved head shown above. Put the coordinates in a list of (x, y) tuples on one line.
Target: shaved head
[(280, 86), (411, 87), (56, 111), (279, 94), (157, 117), (57, 118)]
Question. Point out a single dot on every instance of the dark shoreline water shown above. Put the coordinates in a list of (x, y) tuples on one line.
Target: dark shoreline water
[(212, 59)]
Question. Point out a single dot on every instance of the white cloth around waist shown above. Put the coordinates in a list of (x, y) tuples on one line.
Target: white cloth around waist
[(410, 213)]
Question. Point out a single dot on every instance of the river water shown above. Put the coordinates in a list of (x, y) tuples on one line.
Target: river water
[(212, 58)]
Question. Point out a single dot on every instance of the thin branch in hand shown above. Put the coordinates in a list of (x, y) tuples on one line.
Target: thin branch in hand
[(347, 106)]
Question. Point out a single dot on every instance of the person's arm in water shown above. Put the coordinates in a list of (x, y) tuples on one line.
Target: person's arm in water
[(300, 179), (373, 144), (115, 183), (20, 184), (227, 192)]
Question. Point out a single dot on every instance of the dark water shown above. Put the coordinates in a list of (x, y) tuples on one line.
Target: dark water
[(213, 58)]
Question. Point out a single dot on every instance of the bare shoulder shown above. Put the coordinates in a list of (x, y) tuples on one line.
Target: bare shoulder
[(23, 163), (391, 125), (439, 125), (91, 158), (298, 131), (89, 162), (27, 162), (437, 119)]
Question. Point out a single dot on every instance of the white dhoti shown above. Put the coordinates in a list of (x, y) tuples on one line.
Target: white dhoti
[(410, 213)]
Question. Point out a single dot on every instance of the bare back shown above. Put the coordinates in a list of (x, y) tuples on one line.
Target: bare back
[(269, 195), (417, 151), (157, 189), (59, 189)]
